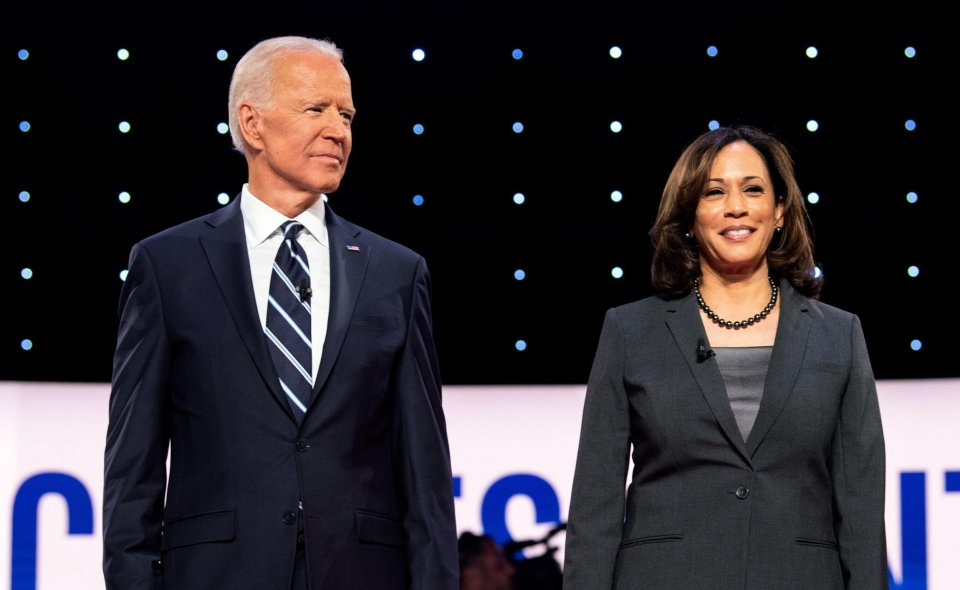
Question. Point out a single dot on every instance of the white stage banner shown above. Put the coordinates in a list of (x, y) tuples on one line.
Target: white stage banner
[(513, 450)]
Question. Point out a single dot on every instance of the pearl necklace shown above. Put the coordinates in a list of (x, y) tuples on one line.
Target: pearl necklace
[(736, 325)]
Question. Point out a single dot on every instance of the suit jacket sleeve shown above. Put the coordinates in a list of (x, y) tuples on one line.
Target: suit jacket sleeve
[(858, 476), (595, 522), (137, 435), (422, 452)]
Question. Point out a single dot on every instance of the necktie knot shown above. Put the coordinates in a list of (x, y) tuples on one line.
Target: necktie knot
[(291, 229)]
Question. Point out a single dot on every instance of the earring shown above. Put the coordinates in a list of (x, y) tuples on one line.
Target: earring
[(777, 240)]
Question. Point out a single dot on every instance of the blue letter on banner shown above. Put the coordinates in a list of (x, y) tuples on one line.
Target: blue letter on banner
[(23, 574)]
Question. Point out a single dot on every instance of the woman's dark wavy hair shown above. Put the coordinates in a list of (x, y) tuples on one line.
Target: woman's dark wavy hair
[(675, 258)]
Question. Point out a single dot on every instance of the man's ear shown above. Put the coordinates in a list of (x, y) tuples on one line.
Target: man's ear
[(249, 120)]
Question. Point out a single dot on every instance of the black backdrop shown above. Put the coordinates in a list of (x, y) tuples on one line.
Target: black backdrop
[(75, 234)]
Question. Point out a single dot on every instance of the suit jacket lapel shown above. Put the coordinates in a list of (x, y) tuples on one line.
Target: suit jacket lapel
[(226, 249), (349, 255), (683, 321), (793, 329)]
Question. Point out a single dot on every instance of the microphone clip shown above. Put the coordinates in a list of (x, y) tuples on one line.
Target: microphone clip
[(703, 353), (304, 291)]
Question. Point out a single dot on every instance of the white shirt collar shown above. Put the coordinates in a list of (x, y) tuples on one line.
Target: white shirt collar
[(261, 220)]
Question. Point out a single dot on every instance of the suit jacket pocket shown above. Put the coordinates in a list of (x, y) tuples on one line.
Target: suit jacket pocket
[(817, 543), (206, 527), (376, 528), (650, 539), (651, 561), (815, 564)]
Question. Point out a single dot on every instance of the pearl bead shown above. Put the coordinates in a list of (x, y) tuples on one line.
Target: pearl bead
[(775, 291)]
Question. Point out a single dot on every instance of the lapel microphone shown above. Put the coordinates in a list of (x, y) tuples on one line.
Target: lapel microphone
[(703, 353), (305, 292)]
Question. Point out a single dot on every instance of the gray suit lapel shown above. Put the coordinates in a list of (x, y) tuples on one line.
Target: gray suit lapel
[(791, 342), (683, 321)]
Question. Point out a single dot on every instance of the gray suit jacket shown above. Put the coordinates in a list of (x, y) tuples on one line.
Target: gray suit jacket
[(800, 505)]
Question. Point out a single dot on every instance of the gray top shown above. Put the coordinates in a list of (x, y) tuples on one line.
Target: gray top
[(744, 370)]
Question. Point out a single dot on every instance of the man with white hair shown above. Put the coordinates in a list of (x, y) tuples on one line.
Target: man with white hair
[(285, 358)]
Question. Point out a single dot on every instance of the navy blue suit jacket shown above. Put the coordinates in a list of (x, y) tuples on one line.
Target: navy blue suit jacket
[(192, 373)]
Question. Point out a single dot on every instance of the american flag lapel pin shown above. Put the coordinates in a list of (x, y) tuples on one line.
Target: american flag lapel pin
[(353, 248)]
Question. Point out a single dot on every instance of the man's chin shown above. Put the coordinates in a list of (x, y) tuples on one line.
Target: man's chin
[(327, 189), (322, 187)]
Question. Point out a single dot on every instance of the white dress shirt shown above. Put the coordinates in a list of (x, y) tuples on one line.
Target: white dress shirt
[(261, 225)]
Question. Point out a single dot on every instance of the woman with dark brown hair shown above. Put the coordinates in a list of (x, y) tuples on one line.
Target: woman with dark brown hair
[(750, 406)]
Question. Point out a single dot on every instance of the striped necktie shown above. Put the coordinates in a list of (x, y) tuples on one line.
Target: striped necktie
[(288, 320)]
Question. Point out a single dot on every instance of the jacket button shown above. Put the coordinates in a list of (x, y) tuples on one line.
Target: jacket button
[(302, 445), (742, 492), (289, 517)]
